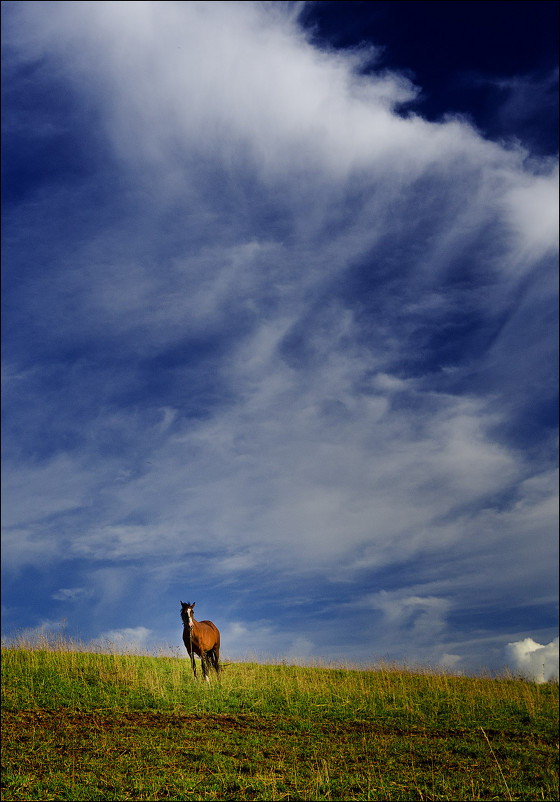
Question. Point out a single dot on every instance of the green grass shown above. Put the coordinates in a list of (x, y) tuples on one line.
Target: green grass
[(85, 726)]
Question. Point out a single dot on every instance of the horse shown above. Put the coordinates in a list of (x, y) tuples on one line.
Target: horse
[(201, 638)]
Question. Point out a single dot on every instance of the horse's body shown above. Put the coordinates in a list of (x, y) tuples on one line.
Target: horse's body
[(201, 638)]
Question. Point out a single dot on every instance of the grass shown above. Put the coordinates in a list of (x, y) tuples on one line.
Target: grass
[(83, 725)]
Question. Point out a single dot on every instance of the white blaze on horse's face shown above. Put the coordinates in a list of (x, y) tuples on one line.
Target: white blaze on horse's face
[(187, 614)]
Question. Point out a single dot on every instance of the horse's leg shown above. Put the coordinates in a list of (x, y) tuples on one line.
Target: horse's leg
[(204, 664), (187, 640), (216, 659)]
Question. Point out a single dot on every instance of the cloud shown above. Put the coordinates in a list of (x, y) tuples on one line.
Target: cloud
[(526, 104), (421, 620), (534, 214), (275, 327), (187, 79), (264, 641), (533, 660), (59, 488), (47, 631), (126, 639), (449, 661), (71, 594)]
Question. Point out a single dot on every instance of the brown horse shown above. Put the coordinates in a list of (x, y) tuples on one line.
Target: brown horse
[(201, 638)]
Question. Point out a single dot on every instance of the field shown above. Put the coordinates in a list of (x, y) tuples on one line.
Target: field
[(85, 726)]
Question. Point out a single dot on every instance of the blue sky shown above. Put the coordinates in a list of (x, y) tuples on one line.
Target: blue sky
[(280, 327)]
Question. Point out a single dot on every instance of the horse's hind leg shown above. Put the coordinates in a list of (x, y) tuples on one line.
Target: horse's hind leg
[(204, 657), (216, 659)]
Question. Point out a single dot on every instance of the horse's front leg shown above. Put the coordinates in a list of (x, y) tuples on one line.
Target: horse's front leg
[(190, 650), (187, 640)]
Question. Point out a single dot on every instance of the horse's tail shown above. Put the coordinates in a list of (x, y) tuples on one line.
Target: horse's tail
[(215, 658)]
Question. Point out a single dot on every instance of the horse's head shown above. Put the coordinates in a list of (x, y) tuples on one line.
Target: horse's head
[(187, 614)]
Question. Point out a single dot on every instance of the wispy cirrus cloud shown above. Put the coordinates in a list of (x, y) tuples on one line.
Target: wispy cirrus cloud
[(70, 594), (268, 325)]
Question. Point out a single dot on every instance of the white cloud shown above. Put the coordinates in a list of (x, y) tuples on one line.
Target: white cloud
[(247, 641), (304, 471), (450, 661), (305, 443), (533, 660), (24, 546), (48, 631), (126, 639), (422, 617), (59, 486), (187, 77), (70, 594), (534, 209)]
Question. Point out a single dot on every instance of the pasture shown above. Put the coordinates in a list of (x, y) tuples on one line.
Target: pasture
[(89, 726)]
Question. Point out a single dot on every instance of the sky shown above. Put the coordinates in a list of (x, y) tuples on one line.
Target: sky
[(280, 328)]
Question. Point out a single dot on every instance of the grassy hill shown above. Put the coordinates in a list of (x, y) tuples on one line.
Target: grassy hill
[(84, 726)]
